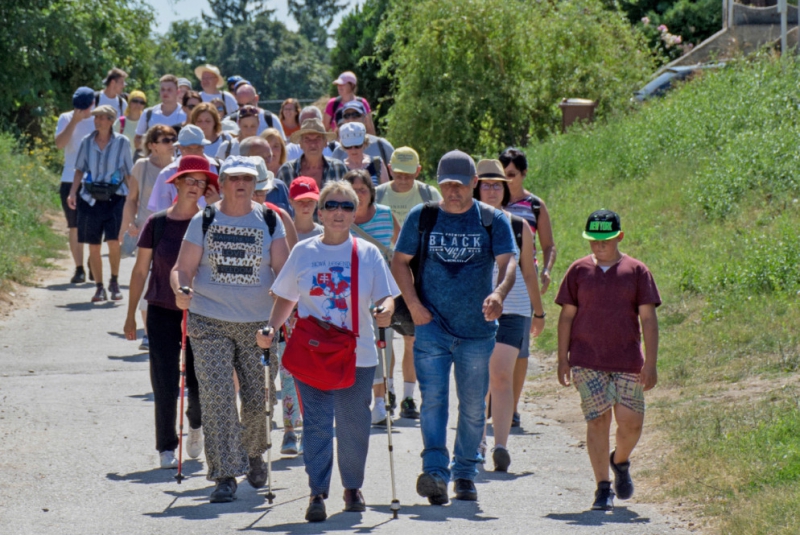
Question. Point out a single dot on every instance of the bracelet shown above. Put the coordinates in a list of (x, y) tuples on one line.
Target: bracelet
[(544, 314)]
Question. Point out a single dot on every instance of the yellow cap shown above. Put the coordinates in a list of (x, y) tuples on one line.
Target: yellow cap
[(405, 160)]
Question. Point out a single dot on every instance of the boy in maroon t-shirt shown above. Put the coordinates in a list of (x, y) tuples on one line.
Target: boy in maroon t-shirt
[(603, 298)]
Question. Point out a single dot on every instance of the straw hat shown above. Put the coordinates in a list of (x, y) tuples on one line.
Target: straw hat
[(312, 126), (198, 72)]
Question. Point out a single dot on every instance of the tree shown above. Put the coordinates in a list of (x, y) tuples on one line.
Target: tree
[(228, 13), (314, 17), (58, 45), (356, 51), (480, 75)]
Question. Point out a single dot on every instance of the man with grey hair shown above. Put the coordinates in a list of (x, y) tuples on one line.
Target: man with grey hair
[(294, 151), (246, 96), (278, 192)]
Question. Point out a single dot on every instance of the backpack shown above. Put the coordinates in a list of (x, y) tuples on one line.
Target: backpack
[(423, 189), (269, 218), (374, 170), (516, 227)]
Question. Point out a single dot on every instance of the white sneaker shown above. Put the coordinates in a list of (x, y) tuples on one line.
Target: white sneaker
[(194, 442), (168, 459), (379, 414)]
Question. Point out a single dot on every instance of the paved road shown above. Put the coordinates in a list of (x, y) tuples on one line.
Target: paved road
[(76, 432)]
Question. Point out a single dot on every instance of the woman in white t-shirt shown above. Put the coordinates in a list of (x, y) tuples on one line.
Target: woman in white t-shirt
[(317, 278)]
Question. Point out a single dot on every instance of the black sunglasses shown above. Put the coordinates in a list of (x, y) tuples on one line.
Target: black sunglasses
[(137, 101), (351, 115), (190, 107), (167, 140), (346, 206)]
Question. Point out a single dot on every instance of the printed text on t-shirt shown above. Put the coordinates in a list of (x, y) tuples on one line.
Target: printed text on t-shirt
[(454, 248)]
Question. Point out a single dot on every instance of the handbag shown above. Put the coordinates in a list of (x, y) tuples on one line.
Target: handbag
[(321, 354)]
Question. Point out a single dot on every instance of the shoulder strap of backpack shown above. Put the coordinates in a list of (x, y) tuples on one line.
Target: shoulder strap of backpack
[(427, 220), (516, 226), (383, 151), (270, 218), (158, 224), (147, 117), (380, 193), (536, 206), (268, 119), (337, 102), (96, 98), (228, 148), (208, 217), (424, 192), (428, 217)]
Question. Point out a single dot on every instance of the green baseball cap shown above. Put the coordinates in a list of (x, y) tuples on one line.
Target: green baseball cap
[(602, 225)]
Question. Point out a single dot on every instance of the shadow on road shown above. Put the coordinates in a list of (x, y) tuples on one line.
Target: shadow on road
[(144, 397), (500, 476), (86, 306), (67, 286), (139, 357), (620, 515), (139, 334), (190, 468)]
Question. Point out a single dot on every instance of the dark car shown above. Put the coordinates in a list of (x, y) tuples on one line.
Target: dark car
[(670, 77)]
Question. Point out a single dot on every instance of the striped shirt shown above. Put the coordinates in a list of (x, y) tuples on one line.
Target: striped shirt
[(109, 165), (517, 301), (380, 227), (331, 170)]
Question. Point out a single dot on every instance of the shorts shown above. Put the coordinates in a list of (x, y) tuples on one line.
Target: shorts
[(601, 390), (104, 219), (511, 330), (525, 350), (69, 213)]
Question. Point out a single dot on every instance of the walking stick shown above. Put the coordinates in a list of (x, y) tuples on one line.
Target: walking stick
[(179, 476), (265, 360), (395, 507)]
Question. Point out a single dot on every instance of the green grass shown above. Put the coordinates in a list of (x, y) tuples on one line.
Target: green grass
[(28, 193), (706, 182)]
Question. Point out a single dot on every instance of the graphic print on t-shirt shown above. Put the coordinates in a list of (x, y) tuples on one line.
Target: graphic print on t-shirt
[(455, 248), (334, 288), (235, 254)]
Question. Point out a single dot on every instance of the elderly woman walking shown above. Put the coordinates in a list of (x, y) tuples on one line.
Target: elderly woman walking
[(229, 258), (334, 279)]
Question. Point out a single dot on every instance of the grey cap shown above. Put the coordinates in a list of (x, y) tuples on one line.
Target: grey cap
[(191, 135), (456, 166)]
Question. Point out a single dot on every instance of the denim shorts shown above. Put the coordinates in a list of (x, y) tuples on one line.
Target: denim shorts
[(513, 331)]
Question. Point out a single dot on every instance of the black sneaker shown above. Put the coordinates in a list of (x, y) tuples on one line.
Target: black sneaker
[(225, 491), (465, 490), (516, 420), (116, 294), (623, 484), (603, 497), (408, 409), (79, 277), (100, 295), (392, 402), (257, 475), (354, 501), (501, 459), (432, 487), (316, 509)]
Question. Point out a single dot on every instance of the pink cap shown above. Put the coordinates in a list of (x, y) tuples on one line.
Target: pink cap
[(346, 77), (304, 187)]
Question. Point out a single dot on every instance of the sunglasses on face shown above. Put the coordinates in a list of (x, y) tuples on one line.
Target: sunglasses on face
[(242, 178), (189, 181), (190, 107), (346, 206), (351, 116), (221, 110), (489, 186), (167, 140), (248, 111), (137, 101), (355, 147)]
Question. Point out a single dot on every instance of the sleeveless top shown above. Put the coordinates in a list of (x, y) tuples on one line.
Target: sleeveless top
[(522, 208), (381, 226)]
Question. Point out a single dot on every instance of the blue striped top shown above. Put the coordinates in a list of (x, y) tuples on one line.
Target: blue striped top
[(381, 226)]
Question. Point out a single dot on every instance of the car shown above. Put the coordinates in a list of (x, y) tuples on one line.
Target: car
[(668, 78)]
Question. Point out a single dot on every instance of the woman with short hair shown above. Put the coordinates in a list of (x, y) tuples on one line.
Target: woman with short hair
[(317, 278), (228, 259)]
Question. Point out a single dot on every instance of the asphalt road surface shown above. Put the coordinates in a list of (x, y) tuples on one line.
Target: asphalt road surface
[(77, 443)]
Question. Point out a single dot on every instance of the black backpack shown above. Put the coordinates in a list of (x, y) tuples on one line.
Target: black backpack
[(159, 222)]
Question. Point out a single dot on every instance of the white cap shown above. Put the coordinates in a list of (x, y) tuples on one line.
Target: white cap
[(239, 165), (352, 134)]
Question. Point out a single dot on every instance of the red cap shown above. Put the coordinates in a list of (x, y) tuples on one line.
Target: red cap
[(194, 164), (304, 187)]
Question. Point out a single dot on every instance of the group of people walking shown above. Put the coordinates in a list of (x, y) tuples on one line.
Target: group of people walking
[(308, 246)]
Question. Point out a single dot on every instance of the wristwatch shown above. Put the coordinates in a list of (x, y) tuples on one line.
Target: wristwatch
[(544, 314)]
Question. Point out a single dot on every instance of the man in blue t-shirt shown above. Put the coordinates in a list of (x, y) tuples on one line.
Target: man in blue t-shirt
[(454, 305)]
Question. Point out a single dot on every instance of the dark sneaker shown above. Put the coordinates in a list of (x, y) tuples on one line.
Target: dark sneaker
[(516, 420), (432, 487), (408, 409), (501, 459), (116, 294), (316, 509), (145, 345), (79, 277), (603, 497), (354, 501), (392, 402), (225, 491), (257, 475), (100, 295), (623, 484), (465, 490), (289, 445)]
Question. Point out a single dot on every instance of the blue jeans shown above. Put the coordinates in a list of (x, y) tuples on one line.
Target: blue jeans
[(434, 352)]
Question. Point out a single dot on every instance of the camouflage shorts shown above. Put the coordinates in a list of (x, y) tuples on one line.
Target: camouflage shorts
[(601, 390)]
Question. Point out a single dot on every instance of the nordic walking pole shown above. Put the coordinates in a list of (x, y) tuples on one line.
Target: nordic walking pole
[(395, 507), (265, 358), (179, 476)]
